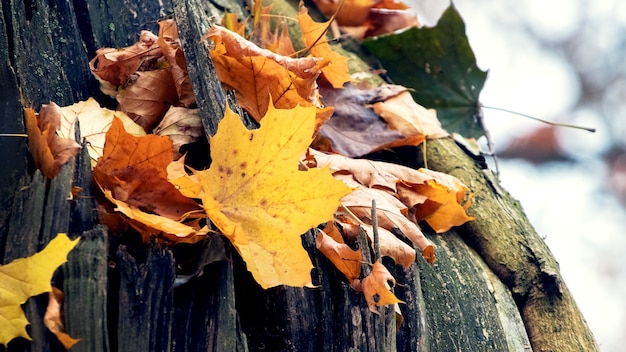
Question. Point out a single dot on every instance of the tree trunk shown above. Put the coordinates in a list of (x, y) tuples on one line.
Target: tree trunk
[(495, 285)]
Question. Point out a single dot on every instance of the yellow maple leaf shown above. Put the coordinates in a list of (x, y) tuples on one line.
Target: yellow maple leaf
[(26, 277), (256, 195)]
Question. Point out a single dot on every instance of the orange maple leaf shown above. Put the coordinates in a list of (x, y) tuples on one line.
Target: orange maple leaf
[(336, 72), (50, 151), (133, 175), (256, 74), (256, 195)]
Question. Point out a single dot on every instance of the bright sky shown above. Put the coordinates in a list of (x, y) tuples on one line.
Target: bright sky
[(567, 203)]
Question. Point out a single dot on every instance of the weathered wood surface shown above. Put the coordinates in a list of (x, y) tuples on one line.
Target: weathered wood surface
[(121, 295)]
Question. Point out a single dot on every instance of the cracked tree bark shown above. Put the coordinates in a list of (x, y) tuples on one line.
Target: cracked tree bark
[(495, 285)]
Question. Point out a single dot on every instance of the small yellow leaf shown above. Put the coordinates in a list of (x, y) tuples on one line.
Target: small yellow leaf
[(26, 277), (256, 195)]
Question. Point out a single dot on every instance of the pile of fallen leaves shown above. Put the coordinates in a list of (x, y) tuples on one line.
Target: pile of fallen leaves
[(264, 187)]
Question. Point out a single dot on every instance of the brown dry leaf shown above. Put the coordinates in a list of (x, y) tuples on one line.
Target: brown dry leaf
[(376, 288), (134, 170), (390, 245), (390, 213), (170, 46), (336, 73), (403, 114), (115, 66), (182, 125), (233, 45), (383, 21), (147, 97), (49, 151), (433, 196), (345, 259), (53, 319)]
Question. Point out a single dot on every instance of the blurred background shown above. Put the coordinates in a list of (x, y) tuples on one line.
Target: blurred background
[(564, 61)]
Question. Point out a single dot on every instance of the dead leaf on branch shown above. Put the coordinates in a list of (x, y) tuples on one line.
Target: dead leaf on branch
[(438, 198), (253, 192), (391, 213), (403, 114)]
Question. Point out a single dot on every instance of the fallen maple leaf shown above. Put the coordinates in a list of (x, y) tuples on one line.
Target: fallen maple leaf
[(256, 195), (376, 288), (49, 150), (134, 171), (54, 321), (314, 37), (258, 75), (26, 277)]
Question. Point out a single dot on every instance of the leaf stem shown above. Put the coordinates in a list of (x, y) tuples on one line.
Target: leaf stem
[(13, 135), (375, 231), (552, 123)]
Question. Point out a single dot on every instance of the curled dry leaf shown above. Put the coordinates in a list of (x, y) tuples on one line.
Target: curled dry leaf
[(355, 129), (182, 125), (147, 97), (53, 318), (433, 196), (376, 288), (390, 245), (390, 213), (170, 46), (115, 66), (344, 258), (49, 150)]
